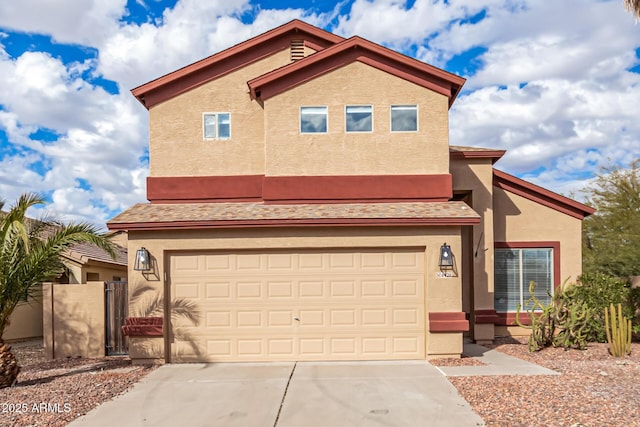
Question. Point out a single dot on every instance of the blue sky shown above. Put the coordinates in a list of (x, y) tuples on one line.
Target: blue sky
[(557, 84)]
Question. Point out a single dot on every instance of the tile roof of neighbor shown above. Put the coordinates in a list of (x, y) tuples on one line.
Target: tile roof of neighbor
[(149, 216), (84, 252)]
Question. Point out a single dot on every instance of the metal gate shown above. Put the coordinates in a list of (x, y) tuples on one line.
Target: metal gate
[(115, 294)]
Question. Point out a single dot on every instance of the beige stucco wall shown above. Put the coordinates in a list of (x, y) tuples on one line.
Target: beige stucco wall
[(521, 220), (74, 320), (476, 175), (26, 321), (177, 146), (339, 153), (442, 294)]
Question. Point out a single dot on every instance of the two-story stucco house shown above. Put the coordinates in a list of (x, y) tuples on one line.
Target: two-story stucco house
[(304, 199)]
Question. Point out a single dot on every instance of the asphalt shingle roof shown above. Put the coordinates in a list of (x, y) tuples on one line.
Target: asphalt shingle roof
[(220, 213)]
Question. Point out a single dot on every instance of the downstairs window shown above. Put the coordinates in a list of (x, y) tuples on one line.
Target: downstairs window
[(514, 269)]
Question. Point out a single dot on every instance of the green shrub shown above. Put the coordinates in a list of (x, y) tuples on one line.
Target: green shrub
[(597, 291)]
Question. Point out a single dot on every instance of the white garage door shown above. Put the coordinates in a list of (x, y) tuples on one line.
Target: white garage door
[(299, 305)]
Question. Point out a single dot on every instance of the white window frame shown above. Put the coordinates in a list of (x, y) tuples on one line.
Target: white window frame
[(404, 106), (346, 107), (217, 115), (326, 108), (523, 288)]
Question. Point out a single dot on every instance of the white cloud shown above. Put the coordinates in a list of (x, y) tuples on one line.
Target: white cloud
[(84, 22), (100, 137), (392, 23), (570, 127)]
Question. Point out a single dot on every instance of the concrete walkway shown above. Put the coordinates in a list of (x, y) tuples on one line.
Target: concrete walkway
[(289, 395), (496, 363)]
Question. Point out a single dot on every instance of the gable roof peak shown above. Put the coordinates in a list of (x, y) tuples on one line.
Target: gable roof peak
[(350, 50), (231, 59)]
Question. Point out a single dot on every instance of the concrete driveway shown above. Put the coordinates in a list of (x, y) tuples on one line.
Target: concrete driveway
[(288, 395)]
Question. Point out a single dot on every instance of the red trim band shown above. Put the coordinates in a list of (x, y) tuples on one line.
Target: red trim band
[(198, 189), (357, 188), (300, 189), (486, 316), (448, 322)]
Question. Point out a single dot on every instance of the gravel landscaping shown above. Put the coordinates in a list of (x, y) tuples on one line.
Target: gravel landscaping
[(54, 392), (594, 389)]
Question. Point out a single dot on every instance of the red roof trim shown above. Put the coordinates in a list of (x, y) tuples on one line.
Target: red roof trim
[(350, 222), (233, 58), (348, 51), (494, 155), (540, 195)]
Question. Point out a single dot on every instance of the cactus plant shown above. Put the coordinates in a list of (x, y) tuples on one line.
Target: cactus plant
[(562, 322), (618, 329)]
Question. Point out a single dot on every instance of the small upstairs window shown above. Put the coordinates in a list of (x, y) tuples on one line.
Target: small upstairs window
[(359, 118), (216, 125), (404, 118), (313, 119)]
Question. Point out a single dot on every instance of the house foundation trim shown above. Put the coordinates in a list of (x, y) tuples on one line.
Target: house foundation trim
[(448, 322), (486, 316)]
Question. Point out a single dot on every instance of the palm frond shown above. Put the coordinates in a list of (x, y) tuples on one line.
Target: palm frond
[(633, 6), (138, 292), (30, 251), (186, 309)]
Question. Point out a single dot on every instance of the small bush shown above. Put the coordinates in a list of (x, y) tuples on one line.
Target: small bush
[(597, 291)]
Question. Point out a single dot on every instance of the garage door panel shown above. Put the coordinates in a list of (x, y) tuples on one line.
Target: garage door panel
[(218, 319), (218, 263), (217, 290), (279, 289), (308, 305), (337, 347)]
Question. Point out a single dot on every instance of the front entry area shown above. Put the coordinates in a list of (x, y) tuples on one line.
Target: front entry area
[(304, 305)]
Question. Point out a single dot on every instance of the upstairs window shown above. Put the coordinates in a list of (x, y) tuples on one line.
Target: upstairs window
[(515, 268), (313, 119), (404, 118), (216, 125), (359, 118)]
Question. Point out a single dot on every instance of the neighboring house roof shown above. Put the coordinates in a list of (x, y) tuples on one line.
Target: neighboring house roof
[(82, 252), (540, 195), (351, 50), (85, 252), (144, 216), (457, 152), (231, 59)]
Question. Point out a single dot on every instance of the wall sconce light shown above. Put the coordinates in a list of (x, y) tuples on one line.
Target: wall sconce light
[(143, 260), (446, 257)]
